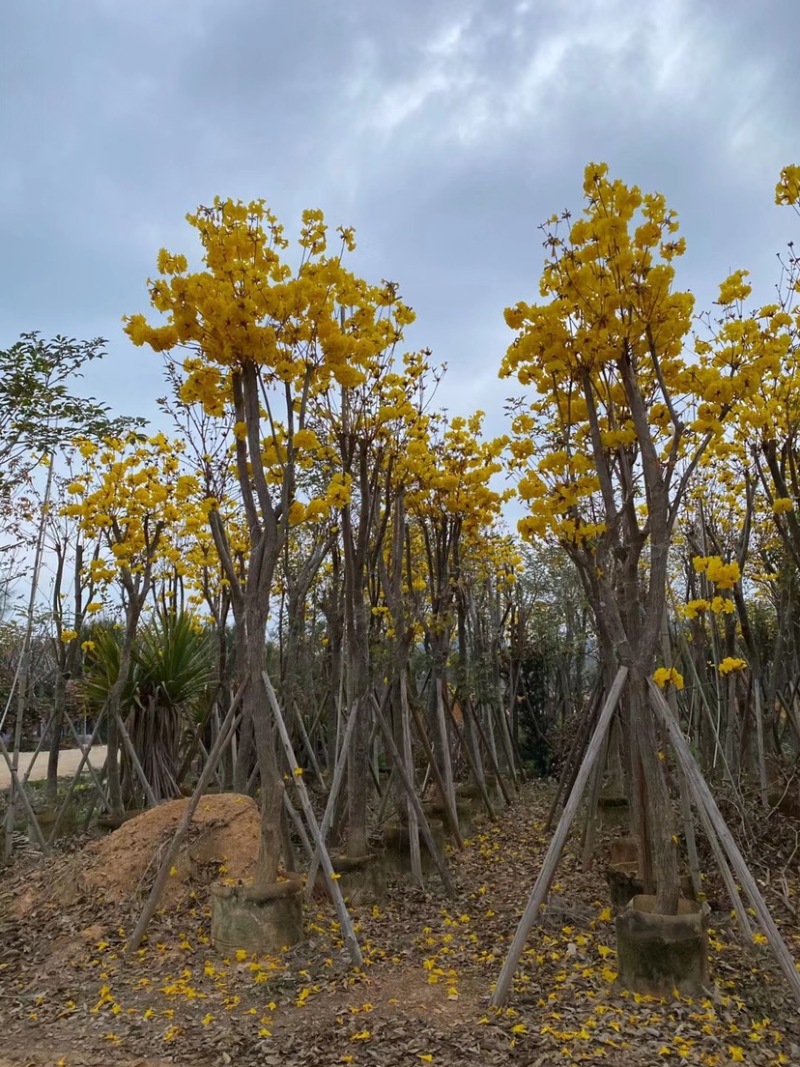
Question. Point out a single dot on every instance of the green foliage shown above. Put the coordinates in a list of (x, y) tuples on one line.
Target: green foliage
[(173, 669), (173, 662), (38, 412)]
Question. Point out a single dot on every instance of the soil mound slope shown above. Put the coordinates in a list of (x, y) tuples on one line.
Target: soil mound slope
[(222, 843)]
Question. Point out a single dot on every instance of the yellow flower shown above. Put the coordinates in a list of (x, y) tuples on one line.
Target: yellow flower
[(693, 608), (787, 191), (68, 635), (668, 676), (722, 605), (731, 663), (297, 513)]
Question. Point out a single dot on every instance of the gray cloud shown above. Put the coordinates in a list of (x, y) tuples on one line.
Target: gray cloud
[(445, 131)]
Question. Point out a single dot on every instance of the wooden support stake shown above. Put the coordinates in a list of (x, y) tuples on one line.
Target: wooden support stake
[(308, 746), (705, 800), (330, 806), (85, 750), (408, 756), (572, 763), (590, 830), (225, 733), (16, 789), (350, 938), (408, 785), (137, 766), (477, 777), (450, 813), (294, 815), (542, 885)]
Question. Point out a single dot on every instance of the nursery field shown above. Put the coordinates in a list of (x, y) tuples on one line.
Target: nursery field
[(69, 995)]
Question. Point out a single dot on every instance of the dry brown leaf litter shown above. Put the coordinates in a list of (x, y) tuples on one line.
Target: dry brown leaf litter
[(68, 993)]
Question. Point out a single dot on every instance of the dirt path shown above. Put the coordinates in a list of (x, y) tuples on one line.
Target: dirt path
[(68, 762)]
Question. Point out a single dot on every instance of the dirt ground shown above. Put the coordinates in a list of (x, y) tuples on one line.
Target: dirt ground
[(71, 997), (68, 761)]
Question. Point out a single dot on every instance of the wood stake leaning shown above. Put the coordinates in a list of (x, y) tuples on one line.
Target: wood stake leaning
[(332, 883), (330, 805), (705, 800), (548, 869), (225, 732), (408, 785)]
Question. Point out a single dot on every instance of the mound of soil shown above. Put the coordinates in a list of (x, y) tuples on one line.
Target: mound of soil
[(222, 842)]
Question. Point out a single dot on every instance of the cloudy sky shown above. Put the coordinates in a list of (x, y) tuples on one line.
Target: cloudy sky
[(443, 130)]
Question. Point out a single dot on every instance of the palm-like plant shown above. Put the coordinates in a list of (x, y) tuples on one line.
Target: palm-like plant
[(172, 672)]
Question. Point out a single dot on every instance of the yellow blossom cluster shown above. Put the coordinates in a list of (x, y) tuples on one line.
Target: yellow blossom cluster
[(609, 347), (722, 575), (450, 479), (668, 676), (731, 663), (304, 327), (132, 495), (718, 605), (787, 191)]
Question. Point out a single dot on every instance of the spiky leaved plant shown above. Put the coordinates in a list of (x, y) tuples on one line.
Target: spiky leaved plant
[(173, 667)]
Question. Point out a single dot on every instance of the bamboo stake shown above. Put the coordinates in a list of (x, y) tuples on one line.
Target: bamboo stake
[(294, 815), (762, 763), (438, 858), (84, 762), (92, 772), (444, 740), (20, 792), (688, 829), (225, 732), (548, 869), (36, 751), (566, 779), (491, 750), (450, 813), (745, 929), (477, 775), (590, 829), (330, 806), (311, 820), (137, 766), (308, 746), (408, 756), (705, 800)]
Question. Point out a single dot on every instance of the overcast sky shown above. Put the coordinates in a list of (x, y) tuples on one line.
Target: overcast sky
[(445, 131)]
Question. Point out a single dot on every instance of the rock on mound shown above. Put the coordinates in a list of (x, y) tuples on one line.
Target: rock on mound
[(222, 842)]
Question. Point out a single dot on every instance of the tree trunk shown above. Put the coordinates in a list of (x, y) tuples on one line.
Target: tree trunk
[(654, 817), (255, 704), (56, 730)]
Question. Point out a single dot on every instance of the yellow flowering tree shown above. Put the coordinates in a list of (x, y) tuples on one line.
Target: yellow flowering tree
[(264, 341), (128, 496), (368, 425), (770, 424), (453, 504), (624, 408)]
